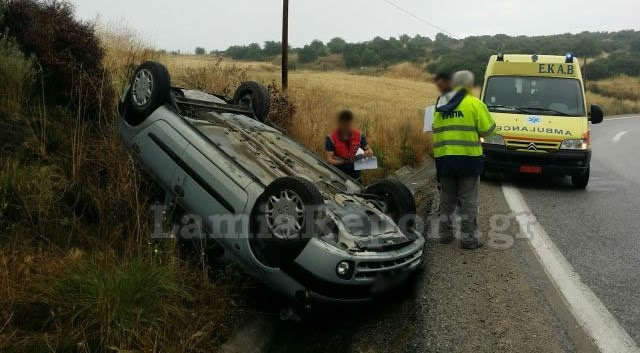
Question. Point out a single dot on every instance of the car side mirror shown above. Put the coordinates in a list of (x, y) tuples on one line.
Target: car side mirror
[(597, 115)]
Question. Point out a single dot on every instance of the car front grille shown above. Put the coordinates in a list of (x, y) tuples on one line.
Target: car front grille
[(367, 270), (540, 146)]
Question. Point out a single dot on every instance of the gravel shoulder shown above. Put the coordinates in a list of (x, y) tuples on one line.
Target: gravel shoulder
[(493, 299)]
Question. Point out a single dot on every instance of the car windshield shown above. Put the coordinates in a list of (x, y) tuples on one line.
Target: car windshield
[(535, 95)]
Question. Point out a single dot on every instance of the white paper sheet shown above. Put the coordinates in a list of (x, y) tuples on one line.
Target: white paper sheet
[(429, 118), (362, 163), (366, 164)]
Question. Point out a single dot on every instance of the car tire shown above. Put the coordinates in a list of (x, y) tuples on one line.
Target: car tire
[(255, 96), (287, 215), (581, 181), (398, 200), (150, 89)]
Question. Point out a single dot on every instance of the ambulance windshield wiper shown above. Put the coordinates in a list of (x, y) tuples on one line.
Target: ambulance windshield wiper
[(557, 112), (497, 106)]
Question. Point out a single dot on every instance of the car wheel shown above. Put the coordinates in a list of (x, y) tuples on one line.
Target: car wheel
[(287, 215), (255, 96), (150, 89), (397, 202), (581, 181)]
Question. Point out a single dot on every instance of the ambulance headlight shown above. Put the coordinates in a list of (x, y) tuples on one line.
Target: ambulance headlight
[(493, 140), (580, 145)]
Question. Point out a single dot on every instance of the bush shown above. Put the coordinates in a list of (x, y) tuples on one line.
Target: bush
[(200, 51), (281, 111), (614, 65), (17, 75), (67, 50), (107, 302)]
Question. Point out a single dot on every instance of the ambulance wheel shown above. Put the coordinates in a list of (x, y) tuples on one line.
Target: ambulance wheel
[(398, 202), (255, 96), (581, 181), (150, 89)]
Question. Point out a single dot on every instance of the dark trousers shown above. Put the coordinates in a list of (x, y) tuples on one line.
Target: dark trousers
[(462, 191)]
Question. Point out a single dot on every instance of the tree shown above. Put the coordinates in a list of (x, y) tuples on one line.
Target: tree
[(200, 51), (634, 45), (311, 52), (272, 49), (337, 45)]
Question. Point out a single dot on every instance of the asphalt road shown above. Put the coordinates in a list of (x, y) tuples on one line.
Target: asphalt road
[(598, 229)]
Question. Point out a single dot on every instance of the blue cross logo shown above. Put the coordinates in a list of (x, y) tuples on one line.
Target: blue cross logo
[(534, 120)]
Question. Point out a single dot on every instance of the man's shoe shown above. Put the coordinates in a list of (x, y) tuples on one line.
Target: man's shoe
[(471, 245), (447, 240)]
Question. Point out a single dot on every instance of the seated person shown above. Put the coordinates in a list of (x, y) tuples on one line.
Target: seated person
[(342, 145)]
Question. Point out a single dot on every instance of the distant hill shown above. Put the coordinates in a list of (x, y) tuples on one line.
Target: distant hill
[(610, 53)]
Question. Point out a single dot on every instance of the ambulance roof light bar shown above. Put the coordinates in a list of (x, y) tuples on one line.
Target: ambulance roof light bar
[(500, 56), (569, 57)]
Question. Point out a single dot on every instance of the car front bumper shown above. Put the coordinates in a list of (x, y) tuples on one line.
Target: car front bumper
[(373, 273), (501, 159)]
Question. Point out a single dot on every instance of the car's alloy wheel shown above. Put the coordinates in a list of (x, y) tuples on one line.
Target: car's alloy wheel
[(142, 88), (285, 214), (150, 89)]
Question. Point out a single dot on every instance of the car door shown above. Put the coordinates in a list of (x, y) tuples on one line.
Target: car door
[(209, 192), (160, 147)]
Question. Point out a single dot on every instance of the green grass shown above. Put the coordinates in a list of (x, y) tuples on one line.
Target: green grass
[(111, 302)]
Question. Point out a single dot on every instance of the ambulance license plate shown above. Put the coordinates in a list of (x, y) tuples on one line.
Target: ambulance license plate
[(531, 169)]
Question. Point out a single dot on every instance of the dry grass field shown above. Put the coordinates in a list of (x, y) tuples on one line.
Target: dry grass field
[(620, 95), (388, 106)]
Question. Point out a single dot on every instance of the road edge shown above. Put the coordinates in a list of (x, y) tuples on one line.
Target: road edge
[(586, 308)]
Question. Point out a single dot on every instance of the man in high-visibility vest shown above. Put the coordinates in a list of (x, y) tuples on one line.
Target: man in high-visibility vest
[(460, 121)]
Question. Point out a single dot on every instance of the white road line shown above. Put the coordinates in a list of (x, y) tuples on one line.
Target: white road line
[(588, 310), (619, 135), (623, 118)]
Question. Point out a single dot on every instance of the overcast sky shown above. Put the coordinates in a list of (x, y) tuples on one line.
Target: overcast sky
[(216, 24)]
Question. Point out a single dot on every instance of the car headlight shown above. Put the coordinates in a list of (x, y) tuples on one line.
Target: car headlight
[(493, 140), (345, 269), (580, 145)]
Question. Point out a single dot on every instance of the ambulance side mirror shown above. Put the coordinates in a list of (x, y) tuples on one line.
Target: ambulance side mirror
[(597, 115)]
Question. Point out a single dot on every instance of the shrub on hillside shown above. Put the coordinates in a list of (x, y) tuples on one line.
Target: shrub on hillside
[(17, 75), (67, 50), (282, 110), (614, 65)]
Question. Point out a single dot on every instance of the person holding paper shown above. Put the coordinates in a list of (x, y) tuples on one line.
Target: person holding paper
[(342, 145), (443, 82), (459, 123)]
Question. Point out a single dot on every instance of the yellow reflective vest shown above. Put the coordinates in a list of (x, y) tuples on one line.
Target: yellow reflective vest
[(459, 125)]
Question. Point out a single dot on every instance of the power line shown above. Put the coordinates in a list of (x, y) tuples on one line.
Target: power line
[(422, 19)]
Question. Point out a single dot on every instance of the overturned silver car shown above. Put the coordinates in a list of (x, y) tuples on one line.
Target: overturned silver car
[(267, 203)]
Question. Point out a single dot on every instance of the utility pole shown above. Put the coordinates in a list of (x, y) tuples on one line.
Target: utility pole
[(285, 45)]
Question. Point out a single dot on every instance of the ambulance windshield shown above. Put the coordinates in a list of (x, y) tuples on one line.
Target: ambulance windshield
[(535, 95)]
